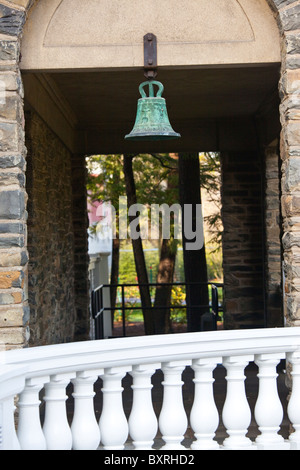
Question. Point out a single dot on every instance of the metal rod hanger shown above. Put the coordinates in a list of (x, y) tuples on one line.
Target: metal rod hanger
[(150, 56)]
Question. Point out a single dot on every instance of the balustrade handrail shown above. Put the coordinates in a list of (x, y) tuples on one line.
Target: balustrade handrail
[(55, 359), (26, 372)]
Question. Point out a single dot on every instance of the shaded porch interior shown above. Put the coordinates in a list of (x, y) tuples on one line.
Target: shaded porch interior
[(233, 110)]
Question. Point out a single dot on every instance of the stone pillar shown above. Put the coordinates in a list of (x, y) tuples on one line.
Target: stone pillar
[(242, 240), (81, 257), (288, 19), (50, 235), (290, 154), (273, 252), (14, 311)]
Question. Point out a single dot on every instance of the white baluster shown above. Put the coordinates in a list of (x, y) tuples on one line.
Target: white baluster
[(236, 412), (56, 427), (9, 438), (113, 423), (142, 421), (268, 408), (294, 402), (30, 433), (1, 427), (13, 385), (85, 429), (173, 419), (204, 416)]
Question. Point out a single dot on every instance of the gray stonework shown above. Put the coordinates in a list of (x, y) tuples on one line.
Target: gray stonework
[(273, 227), (81, 257), (50, 235), (252, 238), (11, 20), (14, 310), (242, 240), (289, 20)]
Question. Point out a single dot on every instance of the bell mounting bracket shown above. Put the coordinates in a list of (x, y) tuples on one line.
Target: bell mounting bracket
[(150, 56)]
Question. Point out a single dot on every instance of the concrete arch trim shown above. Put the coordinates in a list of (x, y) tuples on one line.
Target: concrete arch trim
[(230, 32), (286, 12), (14, 311)]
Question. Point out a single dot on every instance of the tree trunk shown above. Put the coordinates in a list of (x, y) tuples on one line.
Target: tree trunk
[(138, 252), (195, 267), (114, 276), (163, 293)]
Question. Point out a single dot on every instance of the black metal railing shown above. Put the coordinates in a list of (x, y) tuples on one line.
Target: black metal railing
[(208, 319)]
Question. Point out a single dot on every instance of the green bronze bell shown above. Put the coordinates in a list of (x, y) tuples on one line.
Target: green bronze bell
[(152, 121)]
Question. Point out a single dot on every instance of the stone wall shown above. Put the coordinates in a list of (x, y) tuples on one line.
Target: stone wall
[(81, 257), (287, 13), (242, 240), (17, 319), (273, 227), (50, 235), (288, 16), (252, 247), (14, 310)]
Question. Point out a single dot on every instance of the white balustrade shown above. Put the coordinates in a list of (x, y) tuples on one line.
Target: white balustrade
[(236, 412), (268, 408), (143, 421), (30, 433), (56, 426), (27, 374), (173, 420), (85, 429), (113, 423), (204, 417)]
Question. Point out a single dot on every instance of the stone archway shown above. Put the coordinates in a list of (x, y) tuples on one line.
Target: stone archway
[(14, 310)]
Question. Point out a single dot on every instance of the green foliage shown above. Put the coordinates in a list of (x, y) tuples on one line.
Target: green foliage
[(105, 181), (214, 261), (127, 273), (106, 178), (210, 177), (156, 179), (210, 171), (178, 315)]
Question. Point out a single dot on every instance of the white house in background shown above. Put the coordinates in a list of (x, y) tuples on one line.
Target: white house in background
[(100, 247)]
